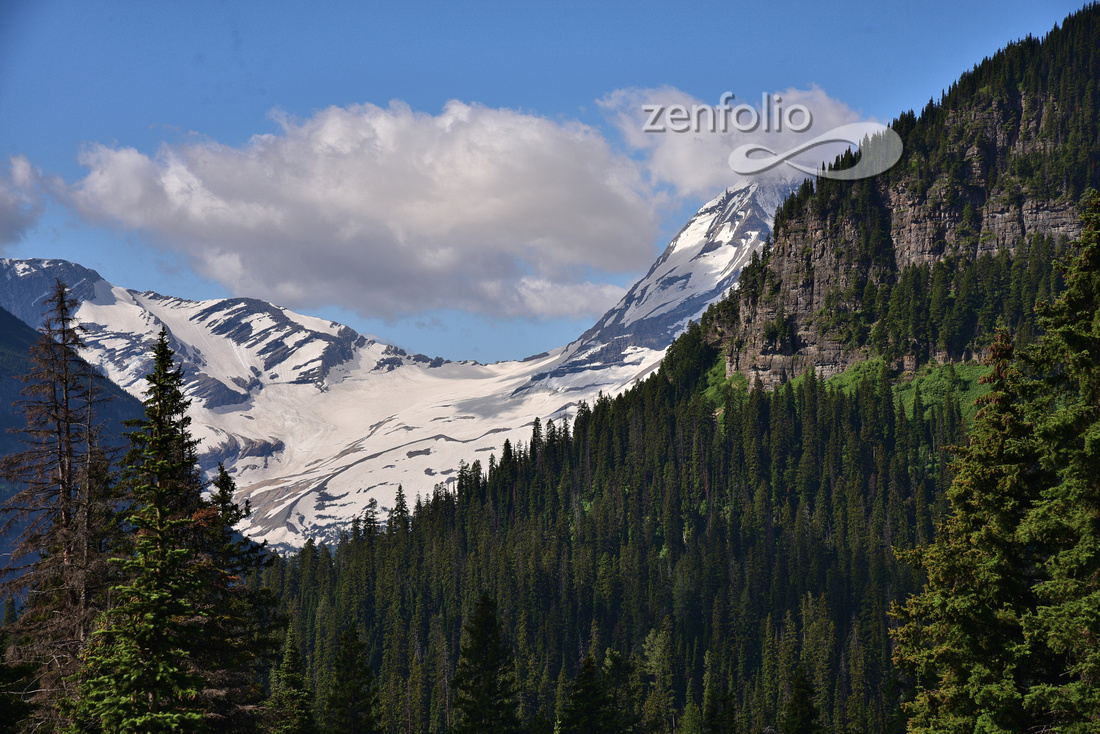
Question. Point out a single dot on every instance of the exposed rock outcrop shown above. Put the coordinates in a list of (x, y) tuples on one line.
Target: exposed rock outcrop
[(970, 203)]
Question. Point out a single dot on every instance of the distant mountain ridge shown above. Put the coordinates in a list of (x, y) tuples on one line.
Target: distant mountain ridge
[(315, 419), (16, 341)]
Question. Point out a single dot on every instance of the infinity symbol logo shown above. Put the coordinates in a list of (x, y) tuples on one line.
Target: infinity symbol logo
[(879, 147)]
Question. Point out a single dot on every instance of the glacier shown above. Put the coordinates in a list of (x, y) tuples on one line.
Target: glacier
[(315, 420)]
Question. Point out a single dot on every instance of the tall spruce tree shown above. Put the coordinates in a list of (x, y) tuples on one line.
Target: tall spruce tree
[(962, 635), (187, 639), (63, 511), (352, 705), (290, 706), (138, 674), (1065, 522), (484, 684)]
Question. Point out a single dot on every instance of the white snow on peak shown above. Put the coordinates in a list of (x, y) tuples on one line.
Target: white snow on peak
[(314, 420), (697, 268)]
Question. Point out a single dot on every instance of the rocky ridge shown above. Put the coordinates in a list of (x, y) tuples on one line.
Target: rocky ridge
[(974, 203)]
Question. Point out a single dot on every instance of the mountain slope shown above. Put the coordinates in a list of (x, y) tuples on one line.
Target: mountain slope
[(697, 268), (315, 420), (16, 340), (999, 165)]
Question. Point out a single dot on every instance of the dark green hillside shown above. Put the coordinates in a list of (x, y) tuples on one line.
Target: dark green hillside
[(714, 555), (710, 559), (16, 339), (920, 261)]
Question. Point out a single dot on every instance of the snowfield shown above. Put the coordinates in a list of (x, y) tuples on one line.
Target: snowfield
[(315, 420)]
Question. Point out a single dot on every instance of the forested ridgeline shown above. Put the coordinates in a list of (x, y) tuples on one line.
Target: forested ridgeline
[(702, 558), (693, 556), (1023, 123), (1001, 163)]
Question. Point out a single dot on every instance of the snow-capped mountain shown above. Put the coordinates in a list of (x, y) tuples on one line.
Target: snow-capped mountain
[(697, 268), (314, 419)]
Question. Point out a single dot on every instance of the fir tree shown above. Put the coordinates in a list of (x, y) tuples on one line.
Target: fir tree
[(589, 708), (352, 706), (290, 707), (484, 685)]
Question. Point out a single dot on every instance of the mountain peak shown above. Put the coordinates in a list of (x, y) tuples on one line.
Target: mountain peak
[(315, 420), (700, 264)]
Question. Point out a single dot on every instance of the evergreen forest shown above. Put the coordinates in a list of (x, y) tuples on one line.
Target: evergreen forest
[(910, 545)]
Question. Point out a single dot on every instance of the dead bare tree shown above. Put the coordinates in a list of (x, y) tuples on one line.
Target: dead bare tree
[(62, 514)]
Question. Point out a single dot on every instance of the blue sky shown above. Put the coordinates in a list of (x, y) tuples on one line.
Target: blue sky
[(462, 180)]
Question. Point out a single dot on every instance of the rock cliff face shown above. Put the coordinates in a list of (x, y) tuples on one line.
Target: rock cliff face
[(971, 200), (806, 264), (922, 233)]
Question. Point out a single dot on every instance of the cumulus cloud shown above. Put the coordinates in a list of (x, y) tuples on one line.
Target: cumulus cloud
[(388, 211), (695, 163), (20, 200)]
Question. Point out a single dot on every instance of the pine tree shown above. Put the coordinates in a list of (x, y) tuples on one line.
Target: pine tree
[(237, 640), (588, 710), (658, 710), (800, 716), (64, 510), (624, 687), (484, 685), (290, 707), (352, 706), (398, 521), (1066, 520), (137, 673)]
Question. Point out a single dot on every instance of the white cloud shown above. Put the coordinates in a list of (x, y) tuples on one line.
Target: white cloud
[(387, 211), (20, 200), (695, 163), (390, 212)]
